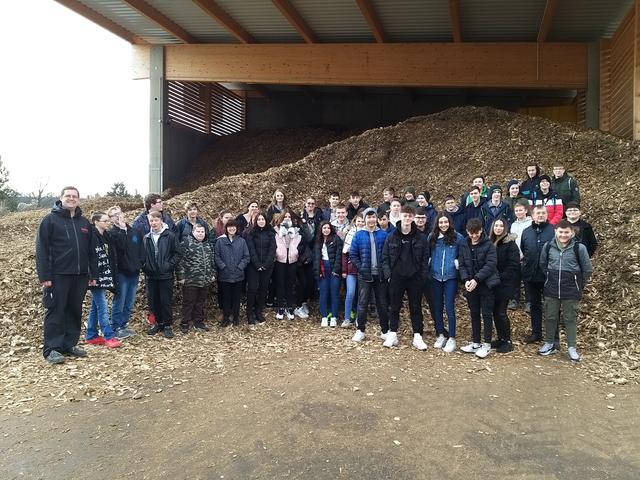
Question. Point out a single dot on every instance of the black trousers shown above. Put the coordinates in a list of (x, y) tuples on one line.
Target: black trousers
[(231, 295), (257, 287), (414, 286), (500, 316), (481, 301), (427, 291), (307, 289), (63, 316), (381, 291), (193, 302), (161, 300), (285, 279), (534, 290)]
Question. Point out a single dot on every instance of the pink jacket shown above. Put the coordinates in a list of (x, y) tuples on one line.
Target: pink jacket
[(287, 246)]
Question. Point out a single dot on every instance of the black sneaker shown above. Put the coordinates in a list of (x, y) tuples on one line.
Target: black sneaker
[(155, 329), (505, 347), (184, 328), (167, 332), (54, 357), (260, 317), (496, 343), (201, 327), (533, 338), (76, 352)]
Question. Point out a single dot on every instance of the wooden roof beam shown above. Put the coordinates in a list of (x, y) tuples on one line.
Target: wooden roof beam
[(294, 18), (159, 18), (86, 12), (216, 12), (456, 22), (372, 19), (547, 20)]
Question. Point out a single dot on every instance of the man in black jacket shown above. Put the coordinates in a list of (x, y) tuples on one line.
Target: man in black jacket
[(405, 265), (67, 265)]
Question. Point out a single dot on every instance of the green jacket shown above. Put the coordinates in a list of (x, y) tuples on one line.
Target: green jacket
[(566, 188)]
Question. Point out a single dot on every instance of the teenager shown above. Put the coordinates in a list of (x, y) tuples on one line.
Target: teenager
[(424, 201), (513, 194), (405, 265), (508, 265), (444, 242), (232, 257), (478, 272), (383, 222), (221, 222), (262, 250), (530, 186), (330, 214), (130, 256), (290, 250), (185, 225), (548, 199), (479, 183), (456, 212), (356, 203), (350, 273), (196, 271), (366, 255), (410, 197), (521, 222), (327, 266), (245, 219), (473, 209), (394, 212), (388, 194), (152, 203), (564, 185), (277, 206), (584, 230), (105, 252), (340, 223), (309, 227), (495, 208), (161, 256), (420, 219), (567, 269)]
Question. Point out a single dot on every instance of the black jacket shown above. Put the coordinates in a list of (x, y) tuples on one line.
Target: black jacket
[(160, 266), (262, 247), (479, 262), (419, 248), (334, 250), (106, 256), (63, 245), (508, 266), (585, 235), (184, 228), (531, 243), (129, 248), (351, 210)]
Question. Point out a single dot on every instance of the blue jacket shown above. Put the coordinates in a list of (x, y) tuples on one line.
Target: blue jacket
[(489, 214), (443, 256), (231, 258), (431, 214), (360, 252)]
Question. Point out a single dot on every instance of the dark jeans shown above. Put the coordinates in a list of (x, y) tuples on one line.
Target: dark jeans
[(444, 298), (257, 287), (231, 295), (193, 302), (329, 292), (414, 286), (123, 300), (500, 316), (364, 292), (63, 316), (307, 283), (534, 291), (161, 300), (285, 279), (480, 302), (427, 291)]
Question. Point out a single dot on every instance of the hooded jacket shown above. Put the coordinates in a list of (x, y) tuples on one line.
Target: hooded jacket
[(129, 247), (530, 187), (491, 212), (552, 203), (443, 258), (141, 222), (360, 252), (531, 243), (566, 188), (184, 228), (479, 262), (585, 235), (334, 251), (261, 243), (508, 256), (161, 258), (232, 257), (197, 265), (565, 275), (63, 245), (392, 250)]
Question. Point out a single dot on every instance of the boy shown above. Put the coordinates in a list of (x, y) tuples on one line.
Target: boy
[(388, 194), (495, 208), (584, 230), (567, 268), (474, 208), (355, 203), (482, 188), (340, 222), (330, 214), (519, 225), (384, 223), (564, 185), (456, 212)]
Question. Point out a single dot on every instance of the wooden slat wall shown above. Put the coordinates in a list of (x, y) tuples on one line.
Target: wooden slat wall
[(581, 107), (605, 85)]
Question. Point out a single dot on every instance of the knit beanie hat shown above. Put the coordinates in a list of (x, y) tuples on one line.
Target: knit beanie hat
[(545, 177), (511, 183)]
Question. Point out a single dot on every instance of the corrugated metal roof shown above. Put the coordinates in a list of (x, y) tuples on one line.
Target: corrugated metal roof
[(334, 20), (587, 20), (414, 20), (501, 20)]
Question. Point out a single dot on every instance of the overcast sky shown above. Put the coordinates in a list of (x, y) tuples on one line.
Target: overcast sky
[(69, 111)]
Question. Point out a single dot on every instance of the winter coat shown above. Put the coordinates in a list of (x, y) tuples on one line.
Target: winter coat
[(518, 227), (290, 248), (443, 258), (531, 243), (565, 274), (351, 210), (310, 226), (334, 251), (261, 243), (347, 266), (184, 228), (161, 259), (459, 220), (566, 188), (360, 252), (63, 245), (272, 211), (141, 222), (419, 249), (478, 262), (585, 235), (489, 214), (106, 255), (465, 199), (232, 257), (129, 245), (431, 214), (471, 211), (552, 203), (530, 188), (197, 266), (508, 256)]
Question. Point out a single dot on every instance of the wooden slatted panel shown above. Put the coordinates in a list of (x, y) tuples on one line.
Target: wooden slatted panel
[(621, 78), (205, 107), (581, 107), (605, 85)]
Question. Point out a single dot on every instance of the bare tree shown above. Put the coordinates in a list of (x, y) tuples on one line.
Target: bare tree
[(39, 193)]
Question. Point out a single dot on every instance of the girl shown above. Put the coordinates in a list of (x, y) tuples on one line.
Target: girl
[(221, 222), (394, 212), (262, 252), (232, 257), (509, 273), (327, 264), (278, 204), (289, 250), (98, 315), (245, 219), (350, 272), (444, 272)]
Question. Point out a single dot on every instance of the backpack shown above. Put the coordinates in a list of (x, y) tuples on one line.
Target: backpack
[(576, 252)]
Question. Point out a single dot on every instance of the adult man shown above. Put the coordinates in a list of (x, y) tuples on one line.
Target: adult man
[(330, 213), (355, 203), (67, 265), (129, 248), (456, 212), (405, 263), (152, 203), (584, 230), (495, 208), (340, 222), (533, 239), (366, 255), (564, 185)]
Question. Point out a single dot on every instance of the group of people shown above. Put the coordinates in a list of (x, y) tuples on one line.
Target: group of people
[(490, 241)]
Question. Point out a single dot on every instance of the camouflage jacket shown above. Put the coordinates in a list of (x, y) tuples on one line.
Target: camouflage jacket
[(197, 266)]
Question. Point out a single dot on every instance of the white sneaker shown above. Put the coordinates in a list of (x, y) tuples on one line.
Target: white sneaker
[(324, 322), (305, 308), (574, 356), (383, 335), (440, 341), (484, 350), (471, 348), (290, 314), (358, 336), (418, 342), (391, 340), (347, 323), (301, 313), (450, 346), (280, 314), (333, 323)]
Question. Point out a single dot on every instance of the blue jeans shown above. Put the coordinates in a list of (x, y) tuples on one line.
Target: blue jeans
[(329, 292), (123, 300), (99, 315), (444, 297), (352, 287)]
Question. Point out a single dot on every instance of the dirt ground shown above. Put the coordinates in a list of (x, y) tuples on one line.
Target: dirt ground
[(366, 412)]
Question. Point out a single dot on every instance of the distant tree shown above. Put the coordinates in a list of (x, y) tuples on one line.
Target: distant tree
[(8, 196), (36, 196), (119, 190), (4, 179)]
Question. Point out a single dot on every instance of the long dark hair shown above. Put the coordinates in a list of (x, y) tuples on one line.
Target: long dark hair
[(277, 219), (493, 237), (449, 236), (320, 236)]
